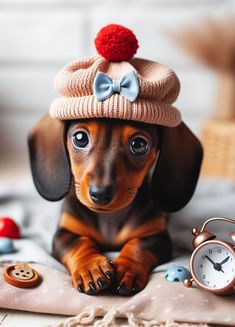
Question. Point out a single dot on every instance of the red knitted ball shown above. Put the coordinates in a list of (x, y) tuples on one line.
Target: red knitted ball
[(116, 43), (8, 228)]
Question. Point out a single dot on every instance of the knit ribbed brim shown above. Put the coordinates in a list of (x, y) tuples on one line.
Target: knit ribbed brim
[(116, 106), (159, 88)]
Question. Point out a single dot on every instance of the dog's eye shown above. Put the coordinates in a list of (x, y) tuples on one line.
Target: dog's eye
[(139, 145), (80, 139)]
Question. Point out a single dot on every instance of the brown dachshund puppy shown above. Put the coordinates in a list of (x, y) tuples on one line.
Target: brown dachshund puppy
[(118, 178)]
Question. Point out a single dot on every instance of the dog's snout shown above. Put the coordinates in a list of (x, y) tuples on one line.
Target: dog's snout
[(101, 195)]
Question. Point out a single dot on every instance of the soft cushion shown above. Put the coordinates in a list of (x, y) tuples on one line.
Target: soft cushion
[(159, 301)]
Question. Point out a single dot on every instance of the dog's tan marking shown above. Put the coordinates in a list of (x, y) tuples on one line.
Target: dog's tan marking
[(153, 227), (76, 226), (81, 250)]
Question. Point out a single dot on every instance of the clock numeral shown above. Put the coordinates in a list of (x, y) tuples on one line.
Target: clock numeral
[(214, 286), (201, 266), (219, 251), (227, 280), (203, 276), (210, 251), (208, 282)]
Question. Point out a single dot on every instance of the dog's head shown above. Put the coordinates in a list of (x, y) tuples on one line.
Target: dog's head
[(106, 161)]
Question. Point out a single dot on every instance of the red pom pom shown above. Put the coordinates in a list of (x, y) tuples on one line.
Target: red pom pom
[(116, 43), (8, 228)]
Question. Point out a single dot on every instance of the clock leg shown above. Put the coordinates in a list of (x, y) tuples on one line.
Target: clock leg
[(188, 282)]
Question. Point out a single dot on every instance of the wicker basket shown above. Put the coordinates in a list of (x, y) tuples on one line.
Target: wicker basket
[(218, 139)]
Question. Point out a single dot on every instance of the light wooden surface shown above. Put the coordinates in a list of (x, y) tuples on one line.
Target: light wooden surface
[(14, 318)]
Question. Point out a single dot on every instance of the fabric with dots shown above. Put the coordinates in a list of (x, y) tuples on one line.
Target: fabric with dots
[(160, 301)]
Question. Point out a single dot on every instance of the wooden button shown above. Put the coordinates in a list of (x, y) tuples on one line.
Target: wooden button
[(21, 275)]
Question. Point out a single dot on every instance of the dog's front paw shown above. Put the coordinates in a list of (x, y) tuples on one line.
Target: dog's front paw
[(93, 274), (131, 276)]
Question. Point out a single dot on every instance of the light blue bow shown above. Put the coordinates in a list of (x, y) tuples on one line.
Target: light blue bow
[(104, 86)]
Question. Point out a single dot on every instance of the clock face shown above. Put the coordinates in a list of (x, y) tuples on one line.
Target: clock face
[(213, 265)]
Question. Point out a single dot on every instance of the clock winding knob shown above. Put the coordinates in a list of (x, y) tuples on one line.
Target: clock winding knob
[(200, 237), (232, 235), (195, 231)]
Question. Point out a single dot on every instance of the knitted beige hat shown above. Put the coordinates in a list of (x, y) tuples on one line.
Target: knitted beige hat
[(115, 85)]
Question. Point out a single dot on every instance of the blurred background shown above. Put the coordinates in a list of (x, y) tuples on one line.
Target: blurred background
[(37, 38)]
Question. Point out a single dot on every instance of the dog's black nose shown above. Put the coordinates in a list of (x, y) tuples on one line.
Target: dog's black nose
[(101, 194)]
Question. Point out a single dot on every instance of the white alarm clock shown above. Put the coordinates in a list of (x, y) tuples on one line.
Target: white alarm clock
[(212, 263)]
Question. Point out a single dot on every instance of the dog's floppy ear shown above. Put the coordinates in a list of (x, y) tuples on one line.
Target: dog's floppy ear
[(177, 170), (49, 159)]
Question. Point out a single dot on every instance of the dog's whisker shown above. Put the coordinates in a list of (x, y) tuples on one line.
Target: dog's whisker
[(77, 191), (77, 188), (132, 191), (71, 183)]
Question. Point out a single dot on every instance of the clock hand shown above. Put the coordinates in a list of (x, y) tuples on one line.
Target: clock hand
[(208, 258), (225, 260), (217, 266)]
